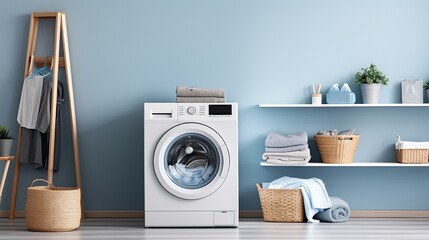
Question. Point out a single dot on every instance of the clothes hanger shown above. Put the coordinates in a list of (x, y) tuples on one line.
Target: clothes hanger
[(40, 69), (45, 71)]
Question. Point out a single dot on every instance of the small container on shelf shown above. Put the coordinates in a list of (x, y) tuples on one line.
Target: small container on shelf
[(316, 99), (412, 91), (411, 152)]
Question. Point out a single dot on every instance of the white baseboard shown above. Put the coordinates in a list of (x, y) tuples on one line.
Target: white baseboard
[(90, 214), (245, 214), (358, 214)]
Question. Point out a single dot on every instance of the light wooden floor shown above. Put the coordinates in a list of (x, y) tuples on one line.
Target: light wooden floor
[(117, 228)]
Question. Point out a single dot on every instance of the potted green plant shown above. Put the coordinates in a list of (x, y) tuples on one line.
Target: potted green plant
[(370, 80), (6, 141), (426, 87)]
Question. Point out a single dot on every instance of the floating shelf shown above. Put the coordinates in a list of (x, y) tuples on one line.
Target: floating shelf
[(342, 105), (355, 164)]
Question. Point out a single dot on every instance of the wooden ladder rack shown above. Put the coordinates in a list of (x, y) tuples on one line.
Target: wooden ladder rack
[(57, 62)]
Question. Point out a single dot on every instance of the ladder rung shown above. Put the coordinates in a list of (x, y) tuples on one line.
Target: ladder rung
[(45, 14), (40, 61)]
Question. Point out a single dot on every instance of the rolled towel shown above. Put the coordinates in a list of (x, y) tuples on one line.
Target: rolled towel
[(286, 149), (199, 92), (275, 139), (339, 212), (298, 155)]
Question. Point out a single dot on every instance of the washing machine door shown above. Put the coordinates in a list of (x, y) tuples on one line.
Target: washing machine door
[(191, 161)]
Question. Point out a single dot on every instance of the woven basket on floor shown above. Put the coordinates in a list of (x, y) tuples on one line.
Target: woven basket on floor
[(281, 205), (52, 209), (412, 155), (337, 149)]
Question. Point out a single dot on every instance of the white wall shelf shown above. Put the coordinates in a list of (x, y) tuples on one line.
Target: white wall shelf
[(355, 164), (342, 105)]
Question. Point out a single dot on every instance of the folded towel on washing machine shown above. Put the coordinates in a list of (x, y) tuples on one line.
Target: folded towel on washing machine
[(182, 91), (200, 100)]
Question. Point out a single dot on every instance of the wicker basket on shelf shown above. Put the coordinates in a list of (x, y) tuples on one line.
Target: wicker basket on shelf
[(281, 205), (412, 155), (338, 148)]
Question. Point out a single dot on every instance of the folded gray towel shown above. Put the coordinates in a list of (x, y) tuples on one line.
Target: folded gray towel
[(286, 149), (199, 92), (275, 139), (339, 212), (200, 100)]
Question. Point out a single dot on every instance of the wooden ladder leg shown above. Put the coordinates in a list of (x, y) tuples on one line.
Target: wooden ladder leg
[(31, 47), (72, 109), (56, 58), (3, 178)]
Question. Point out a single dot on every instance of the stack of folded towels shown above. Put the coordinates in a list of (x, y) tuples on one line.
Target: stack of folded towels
[(287, 149), (199, 95)]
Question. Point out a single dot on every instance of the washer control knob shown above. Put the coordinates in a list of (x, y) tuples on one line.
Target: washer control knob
[(191, 110)]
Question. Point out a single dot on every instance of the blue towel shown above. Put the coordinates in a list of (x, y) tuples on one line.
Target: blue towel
[(313, 190), (279, 140), (339, 212)]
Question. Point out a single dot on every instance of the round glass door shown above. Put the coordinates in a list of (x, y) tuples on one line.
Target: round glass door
[(191, 161)]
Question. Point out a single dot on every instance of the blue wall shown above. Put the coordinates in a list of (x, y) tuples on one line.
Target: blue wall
[(125, 53)]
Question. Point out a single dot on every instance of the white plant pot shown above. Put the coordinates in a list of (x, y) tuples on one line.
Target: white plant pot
[(5, 147), (370, 93)]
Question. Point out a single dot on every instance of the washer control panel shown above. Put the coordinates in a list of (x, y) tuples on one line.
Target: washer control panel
[(186, 110), (198, 111)]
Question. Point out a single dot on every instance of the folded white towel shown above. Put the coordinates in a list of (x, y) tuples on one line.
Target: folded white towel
[(410, 144), (287, 155), (288, 163)]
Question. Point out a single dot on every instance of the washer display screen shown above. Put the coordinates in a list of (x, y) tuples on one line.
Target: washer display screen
[(192, 161), (220, 109)]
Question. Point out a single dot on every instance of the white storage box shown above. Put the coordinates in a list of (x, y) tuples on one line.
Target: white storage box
[(412, 91)]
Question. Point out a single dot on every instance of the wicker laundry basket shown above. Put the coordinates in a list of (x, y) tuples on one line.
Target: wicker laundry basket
[(412, 155), (52, 209), (337, 149), (281, 205)]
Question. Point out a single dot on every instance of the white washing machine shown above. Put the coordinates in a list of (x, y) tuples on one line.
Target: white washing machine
[(191, 165)]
